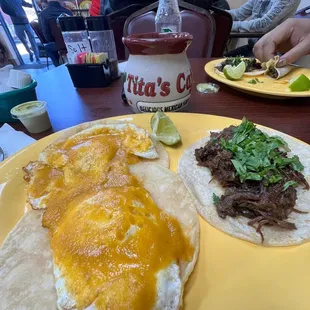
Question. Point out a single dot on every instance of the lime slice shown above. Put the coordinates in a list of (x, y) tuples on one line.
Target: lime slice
[(164, 129), (234, 73), (299, 83)]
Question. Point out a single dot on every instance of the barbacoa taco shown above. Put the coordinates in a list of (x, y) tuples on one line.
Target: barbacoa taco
[(271, 68), (252, 66), (251, 184)]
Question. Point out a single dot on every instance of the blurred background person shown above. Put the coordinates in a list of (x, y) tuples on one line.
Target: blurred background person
[(53, 11), (102, 7), (108, 6), (14, 8), (260, 16), (221, 4)]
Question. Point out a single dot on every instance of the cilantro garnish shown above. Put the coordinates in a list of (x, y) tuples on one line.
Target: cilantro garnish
[(252, 82), (288, 184), (250, 63), (255, 81), (216, 199), (257, 157), (234, 61)]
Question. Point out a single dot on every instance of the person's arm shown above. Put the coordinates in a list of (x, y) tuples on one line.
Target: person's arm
[(291, 38), (221, 4), (26, 4), (243, 12), (45, 28), (278, 11)]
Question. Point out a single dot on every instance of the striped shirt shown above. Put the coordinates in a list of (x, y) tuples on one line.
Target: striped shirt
[(262, 15)]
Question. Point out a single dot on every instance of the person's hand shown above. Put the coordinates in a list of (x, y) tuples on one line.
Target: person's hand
[(291, 38)]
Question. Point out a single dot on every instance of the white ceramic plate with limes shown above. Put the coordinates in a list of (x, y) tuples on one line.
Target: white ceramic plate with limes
[(263, 86)]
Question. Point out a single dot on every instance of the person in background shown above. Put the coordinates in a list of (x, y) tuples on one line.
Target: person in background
[(104, 7), (53, 10), (94, 9), (221, 4), (14, 8), (108, 6), (291, 38), (260, 16), (100, 7)]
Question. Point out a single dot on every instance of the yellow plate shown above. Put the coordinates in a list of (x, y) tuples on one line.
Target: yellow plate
[(270, 88), (230, 273)]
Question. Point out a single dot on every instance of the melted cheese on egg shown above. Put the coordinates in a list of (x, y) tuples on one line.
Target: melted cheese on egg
[(110, 241)]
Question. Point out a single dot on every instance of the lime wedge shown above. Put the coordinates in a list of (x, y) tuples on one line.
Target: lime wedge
[(164, 129), (299, 83), (234, 73)]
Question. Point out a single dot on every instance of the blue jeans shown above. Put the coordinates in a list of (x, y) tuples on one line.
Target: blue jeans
[(21, 32)]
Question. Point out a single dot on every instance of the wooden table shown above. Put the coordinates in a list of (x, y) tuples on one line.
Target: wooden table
[(68, 106)]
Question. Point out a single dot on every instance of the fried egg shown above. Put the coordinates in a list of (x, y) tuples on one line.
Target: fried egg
[(84, 152), (113, 247), (168, 290)]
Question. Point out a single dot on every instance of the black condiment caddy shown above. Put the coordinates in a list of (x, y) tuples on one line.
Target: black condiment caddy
[(90, 75)]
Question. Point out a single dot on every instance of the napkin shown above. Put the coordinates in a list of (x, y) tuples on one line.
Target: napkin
[(4, 74), (11, 79), (5, 89), (11, 141), (18, 79)]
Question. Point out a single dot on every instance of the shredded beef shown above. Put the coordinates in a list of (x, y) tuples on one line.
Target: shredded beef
[(251, 64), (263, 205), (273, 72)]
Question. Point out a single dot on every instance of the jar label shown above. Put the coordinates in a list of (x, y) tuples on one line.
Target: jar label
[(167, 106), (171, 28), (158, 82)]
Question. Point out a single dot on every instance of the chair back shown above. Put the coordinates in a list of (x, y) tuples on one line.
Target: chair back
[(303, 13), (37, 30), (223, 22), (117, 20), (202, 27), (57, 35), (197, 21), (141, 24)]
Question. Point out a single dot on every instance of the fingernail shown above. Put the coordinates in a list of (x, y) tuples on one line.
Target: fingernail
[(282, 63)]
